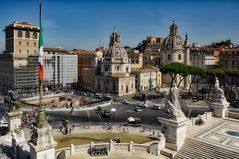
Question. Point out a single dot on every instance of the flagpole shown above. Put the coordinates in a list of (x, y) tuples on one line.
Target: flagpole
[(40, 82)]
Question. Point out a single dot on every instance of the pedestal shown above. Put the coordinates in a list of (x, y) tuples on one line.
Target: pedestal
[(42, 145), (14, 120), (174, 131), (219, 108)]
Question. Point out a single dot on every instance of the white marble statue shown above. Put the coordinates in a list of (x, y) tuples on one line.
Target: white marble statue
[(173, 106), (219, 95)]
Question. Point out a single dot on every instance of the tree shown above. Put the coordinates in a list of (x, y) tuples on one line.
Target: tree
[(99, 110), (195, 72), (65, 121), (173, 69), (233, 73)]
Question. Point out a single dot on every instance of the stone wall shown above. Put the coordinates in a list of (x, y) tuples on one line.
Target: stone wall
[(200, 118), (232, 115), (152, 148)]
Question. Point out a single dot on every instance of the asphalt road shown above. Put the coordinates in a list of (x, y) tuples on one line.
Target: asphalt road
[(123, 112)]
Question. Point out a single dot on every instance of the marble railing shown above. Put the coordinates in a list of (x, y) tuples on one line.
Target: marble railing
[(232, 115), (200, 118), (152, 148)]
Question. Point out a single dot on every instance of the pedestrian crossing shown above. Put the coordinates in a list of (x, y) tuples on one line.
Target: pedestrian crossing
[(119, 103)]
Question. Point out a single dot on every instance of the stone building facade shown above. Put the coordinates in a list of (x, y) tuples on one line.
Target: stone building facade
[(175, 50), (203, 58), (115, 70), (228, 58), (147, 78), (88, 66), (19, 61), (22, 38)]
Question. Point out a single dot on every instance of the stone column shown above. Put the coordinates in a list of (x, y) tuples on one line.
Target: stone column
[(72, 149), (186, 61), (131, 146)]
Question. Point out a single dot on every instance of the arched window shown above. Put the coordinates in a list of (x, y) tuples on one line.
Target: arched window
[(179, 57), (20, 33), (169, 57), (27, 34), (34, 35)]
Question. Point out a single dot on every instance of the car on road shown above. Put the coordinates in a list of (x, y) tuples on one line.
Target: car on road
[(138, 109), (107, 114), (156, 106), (143, 105), (125, 102), (98, 96), (3, 122), (134, 121)]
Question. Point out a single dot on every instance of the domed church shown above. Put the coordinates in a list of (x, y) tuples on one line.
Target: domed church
[(115, 72), (175, 49)]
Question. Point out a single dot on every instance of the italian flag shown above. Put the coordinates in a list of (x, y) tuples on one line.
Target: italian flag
[(41, 54)]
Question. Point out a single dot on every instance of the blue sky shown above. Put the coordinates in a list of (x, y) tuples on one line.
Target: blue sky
[(87, 23)]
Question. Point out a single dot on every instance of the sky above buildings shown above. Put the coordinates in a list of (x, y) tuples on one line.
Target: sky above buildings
[(87, 24)]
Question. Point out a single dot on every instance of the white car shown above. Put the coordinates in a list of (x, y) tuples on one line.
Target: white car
[(143, 105), (156, 107), (138, 109), (3, 122), (125, 102)]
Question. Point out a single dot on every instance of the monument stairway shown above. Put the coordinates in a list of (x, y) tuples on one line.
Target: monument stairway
[(195, 149)]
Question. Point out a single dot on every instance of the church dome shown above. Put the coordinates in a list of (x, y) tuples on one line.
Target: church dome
[(173, 41), (115, 50)]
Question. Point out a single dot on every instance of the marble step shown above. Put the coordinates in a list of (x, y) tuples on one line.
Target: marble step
[(194, 149)]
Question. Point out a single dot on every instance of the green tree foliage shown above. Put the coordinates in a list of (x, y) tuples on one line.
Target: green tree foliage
[(173, 69), (232, 74), (99, 110), (65, 121), (195, 72)]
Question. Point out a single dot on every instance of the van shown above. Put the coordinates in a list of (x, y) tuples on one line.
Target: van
[(3, 123)]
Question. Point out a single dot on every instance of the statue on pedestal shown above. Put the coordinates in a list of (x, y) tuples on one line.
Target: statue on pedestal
[(172, 106), (219, 95)]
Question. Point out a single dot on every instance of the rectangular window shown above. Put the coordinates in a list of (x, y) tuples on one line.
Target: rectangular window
[(20, 51), (20, 43)]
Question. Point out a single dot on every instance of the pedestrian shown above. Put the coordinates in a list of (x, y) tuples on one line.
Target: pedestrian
[(60, 128), (70, 131), (73, 126), (153, 132)]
